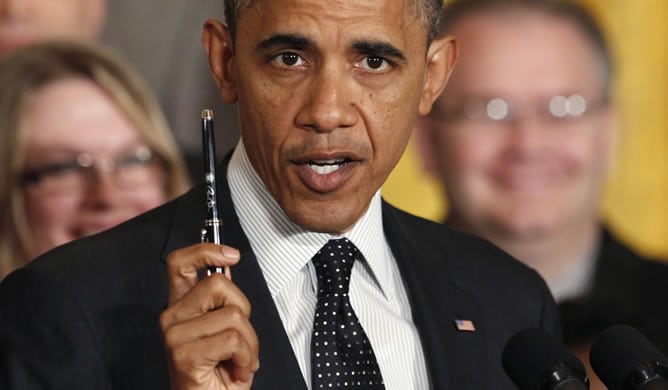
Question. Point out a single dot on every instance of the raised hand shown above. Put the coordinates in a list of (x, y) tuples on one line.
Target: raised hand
[(209, 339)]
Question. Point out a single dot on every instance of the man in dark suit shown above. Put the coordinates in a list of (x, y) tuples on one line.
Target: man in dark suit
[(626, 288), (328, 94)]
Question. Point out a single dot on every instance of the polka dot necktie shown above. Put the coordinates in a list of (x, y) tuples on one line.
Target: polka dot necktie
[(341, 355)]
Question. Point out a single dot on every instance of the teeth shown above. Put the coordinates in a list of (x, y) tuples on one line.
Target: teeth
[(326, 162), (325, 169)]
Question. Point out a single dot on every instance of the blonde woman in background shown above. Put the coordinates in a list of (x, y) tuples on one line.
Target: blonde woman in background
[(83, 147)]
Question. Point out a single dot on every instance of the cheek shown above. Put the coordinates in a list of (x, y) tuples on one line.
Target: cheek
[(390, 123), (389, 134), (266, 112), (584, 154), (49, 221), (49, 213), (265, 130), (147, 199), (467, 153)]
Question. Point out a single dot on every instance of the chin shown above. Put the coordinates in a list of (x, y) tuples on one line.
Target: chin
[(322, 219)]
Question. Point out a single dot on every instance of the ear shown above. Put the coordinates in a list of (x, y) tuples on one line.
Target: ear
[(441, 59), (220, 51), (425, 143)]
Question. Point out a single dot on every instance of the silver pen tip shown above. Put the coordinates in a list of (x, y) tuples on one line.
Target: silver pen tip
[(207, 113)]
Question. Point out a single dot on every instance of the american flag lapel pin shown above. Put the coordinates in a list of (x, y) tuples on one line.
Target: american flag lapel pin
[(464, 325)]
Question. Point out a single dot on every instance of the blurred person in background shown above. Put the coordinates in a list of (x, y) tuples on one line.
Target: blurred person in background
[(27, 21), (167, 55), (83, 147), (522, 139)]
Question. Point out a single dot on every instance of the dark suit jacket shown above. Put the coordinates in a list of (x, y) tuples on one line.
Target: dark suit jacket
[(85, 315), (627, 289)]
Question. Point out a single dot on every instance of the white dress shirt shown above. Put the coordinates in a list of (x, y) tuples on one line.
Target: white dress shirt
[(377, 294)]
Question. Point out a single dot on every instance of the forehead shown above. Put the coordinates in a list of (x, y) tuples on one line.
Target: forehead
[(393, 20), (75, 111), (524, 52)]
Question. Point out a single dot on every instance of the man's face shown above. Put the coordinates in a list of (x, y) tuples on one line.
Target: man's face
[(532, 173), (26, 21), (328, 94)]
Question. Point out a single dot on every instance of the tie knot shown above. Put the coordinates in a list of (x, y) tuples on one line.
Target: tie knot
[(333, 264)]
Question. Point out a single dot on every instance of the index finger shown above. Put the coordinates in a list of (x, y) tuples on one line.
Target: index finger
[(183, 265)]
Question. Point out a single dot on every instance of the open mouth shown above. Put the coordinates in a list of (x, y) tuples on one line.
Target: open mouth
[(325, 167), (326, 173)]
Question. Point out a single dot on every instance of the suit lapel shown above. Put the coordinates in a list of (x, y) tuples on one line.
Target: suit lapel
[(436, 302), (278, 365)]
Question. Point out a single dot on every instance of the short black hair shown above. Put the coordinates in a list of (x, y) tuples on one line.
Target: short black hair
[(430, 11)]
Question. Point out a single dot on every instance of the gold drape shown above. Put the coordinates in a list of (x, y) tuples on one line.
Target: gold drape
[(636, 199)]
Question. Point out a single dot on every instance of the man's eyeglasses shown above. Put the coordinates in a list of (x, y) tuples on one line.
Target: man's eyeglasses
[(128, 171), (498, 111)]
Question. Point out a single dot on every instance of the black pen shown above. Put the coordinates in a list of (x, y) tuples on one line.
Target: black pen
[(213, 225)]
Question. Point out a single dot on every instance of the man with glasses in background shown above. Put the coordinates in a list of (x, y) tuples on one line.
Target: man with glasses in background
[(522, 140)]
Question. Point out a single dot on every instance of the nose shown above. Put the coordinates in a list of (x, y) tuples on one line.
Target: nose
[(328, 103), (526, 136), (102, 191)]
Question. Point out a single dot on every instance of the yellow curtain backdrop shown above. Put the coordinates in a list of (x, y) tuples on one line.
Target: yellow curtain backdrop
[(636, 200)]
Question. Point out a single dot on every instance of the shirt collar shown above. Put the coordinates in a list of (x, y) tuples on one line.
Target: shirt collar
[(282, 247)]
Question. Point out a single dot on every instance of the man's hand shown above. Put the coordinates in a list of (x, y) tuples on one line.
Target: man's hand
[(208, 335)]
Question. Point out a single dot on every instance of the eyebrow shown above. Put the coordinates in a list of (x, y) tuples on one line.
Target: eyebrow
[(295, 41), (379, 48)]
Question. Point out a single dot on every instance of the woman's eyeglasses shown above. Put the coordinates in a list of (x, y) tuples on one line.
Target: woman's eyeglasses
[(128, 170)]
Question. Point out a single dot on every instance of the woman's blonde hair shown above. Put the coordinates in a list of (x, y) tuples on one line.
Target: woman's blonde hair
[(26, 71)]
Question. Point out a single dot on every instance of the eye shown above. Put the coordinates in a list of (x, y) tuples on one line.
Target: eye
[(142, 156), (288, 59), (374, 63), (55, 169), (61, 168)]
